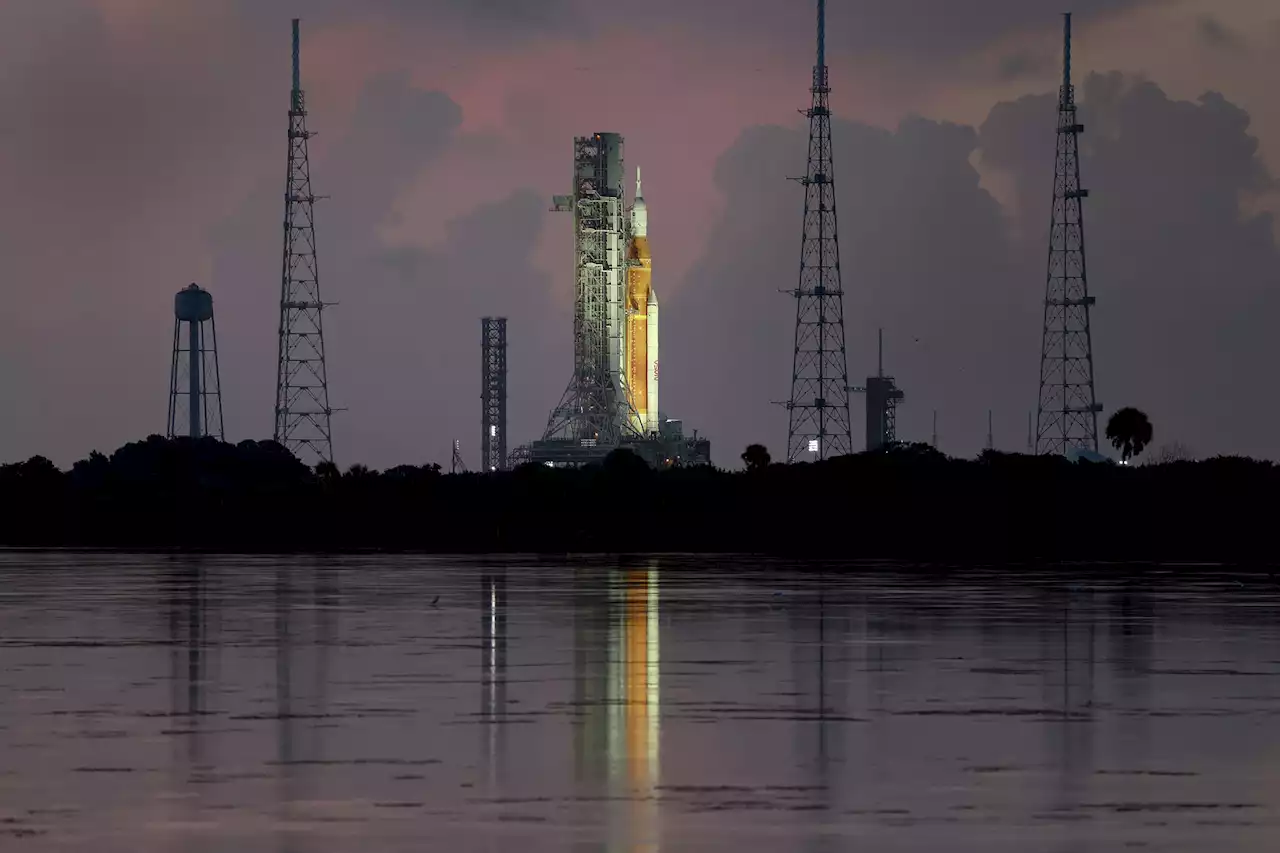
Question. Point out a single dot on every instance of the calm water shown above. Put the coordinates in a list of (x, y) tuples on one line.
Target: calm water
[(251, 704)]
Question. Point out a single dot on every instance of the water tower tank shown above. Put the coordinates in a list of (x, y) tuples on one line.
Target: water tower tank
[(193, 304)]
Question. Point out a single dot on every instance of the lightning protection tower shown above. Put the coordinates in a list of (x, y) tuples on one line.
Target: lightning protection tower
[(493, 393), (195, 386), (1067, 417), (302, 384), (819, 404)]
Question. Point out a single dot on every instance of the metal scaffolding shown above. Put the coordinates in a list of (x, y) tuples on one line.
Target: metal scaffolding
[(1067, 417), (595, 410), (302, 386), (819, 403), (493, 393)]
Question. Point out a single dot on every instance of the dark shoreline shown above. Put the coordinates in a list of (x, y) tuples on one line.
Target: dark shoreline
[(909, 504)]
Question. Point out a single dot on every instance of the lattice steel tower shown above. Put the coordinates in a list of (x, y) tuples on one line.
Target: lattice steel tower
[(493, 393), (819, 404), (1067, 417), (302, 384)]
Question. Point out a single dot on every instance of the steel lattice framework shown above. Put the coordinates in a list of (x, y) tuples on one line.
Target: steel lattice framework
[(493, 393), (1067, 417), (302, 385), (819, 404), (594, 408)]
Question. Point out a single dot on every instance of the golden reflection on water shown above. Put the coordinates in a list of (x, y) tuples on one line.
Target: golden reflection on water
[(635, 706)]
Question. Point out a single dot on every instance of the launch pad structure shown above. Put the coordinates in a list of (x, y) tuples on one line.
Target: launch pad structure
[(611, 401)]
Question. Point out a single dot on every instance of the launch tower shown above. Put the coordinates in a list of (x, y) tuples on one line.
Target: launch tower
[(493, 393), (194, 378), (588, 414), (612, 399), (302, 383), (819, 404), (1067, 417)]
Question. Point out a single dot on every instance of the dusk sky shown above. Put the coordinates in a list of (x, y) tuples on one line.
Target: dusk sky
[(143, 143)]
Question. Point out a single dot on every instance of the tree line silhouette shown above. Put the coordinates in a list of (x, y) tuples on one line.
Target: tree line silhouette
[(908, 502)]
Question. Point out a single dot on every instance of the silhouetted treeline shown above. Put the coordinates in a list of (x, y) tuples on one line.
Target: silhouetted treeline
[(907, 503)]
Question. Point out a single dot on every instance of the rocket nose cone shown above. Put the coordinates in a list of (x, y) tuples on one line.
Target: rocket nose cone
[(653, 296)]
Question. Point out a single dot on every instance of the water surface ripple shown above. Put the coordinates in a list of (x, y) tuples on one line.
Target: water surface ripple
[(316, 705)]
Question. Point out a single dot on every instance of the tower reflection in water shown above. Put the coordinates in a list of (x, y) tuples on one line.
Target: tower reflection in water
[(188, 597), (493, 680), (617, 738), (300, 711)]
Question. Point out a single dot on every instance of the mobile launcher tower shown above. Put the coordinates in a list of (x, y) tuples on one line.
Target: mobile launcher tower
[(612, 398)]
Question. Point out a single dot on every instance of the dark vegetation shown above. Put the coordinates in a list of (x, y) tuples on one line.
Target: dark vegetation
[(1129, 431), (907, 503)]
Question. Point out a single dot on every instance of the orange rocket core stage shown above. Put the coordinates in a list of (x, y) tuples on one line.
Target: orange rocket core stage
[(639, 284)]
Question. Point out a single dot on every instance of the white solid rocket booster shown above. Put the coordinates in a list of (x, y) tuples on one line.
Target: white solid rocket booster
[(653, 425)]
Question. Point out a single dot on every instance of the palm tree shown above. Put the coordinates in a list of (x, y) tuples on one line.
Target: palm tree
[(756, 457), (1129, 431)]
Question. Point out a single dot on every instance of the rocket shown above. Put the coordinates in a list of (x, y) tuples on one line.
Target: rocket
[(642, 319)]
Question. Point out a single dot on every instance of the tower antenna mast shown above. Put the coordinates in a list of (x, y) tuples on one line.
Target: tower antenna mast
[(819, 403), (1067, 415), (302, 385)]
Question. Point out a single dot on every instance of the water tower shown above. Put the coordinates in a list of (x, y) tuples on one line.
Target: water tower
[(194, 385)]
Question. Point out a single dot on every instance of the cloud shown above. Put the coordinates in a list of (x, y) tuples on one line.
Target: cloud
[(1216, 34), (1185, 281), (418, 333), (403, 342), (1187, 285), (136, 156), (922, 249), (1022, 64), (488, 23), (928, 30), (397, 340), (112, 154)]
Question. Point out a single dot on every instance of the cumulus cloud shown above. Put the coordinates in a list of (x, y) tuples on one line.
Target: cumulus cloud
[(403, 343), (486, 24), (1214, 33), (135, 161), (923, 255), (1187, 285), (922, 29), (142, 147)]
